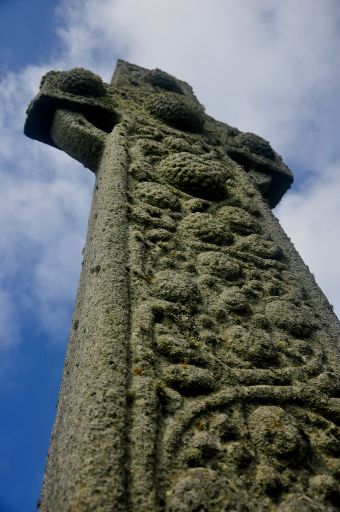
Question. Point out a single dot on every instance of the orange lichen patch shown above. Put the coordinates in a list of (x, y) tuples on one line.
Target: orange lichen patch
[(137, 371)]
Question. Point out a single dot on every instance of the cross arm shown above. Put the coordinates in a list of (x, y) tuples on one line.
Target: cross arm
[(72, 112)]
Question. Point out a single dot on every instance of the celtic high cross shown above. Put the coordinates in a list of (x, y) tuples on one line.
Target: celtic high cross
[(203, 362)]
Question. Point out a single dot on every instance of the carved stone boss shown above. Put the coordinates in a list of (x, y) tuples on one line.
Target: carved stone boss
[(202, 367)]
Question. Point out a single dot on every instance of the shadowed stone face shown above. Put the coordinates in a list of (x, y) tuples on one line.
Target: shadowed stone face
[(202, 366), (162, 80)]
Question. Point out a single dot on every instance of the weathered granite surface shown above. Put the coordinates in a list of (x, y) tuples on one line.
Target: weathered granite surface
[(202, 371)]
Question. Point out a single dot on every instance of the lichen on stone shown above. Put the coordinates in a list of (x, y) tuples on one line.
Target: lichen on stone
[(180, 145), (196, 205), (201, 489), (82, 82), (299, 321), (157, 195), (296, 502), (207, 228), (232, 300), (180, 349), (194, 174), (217, 263), (325, 487), (156, 235), (189, 379), (177, 111), (267, 481), (275, 432), (163, 80), (203, 447), (253, 345), (239, 220), (175, 287), (255, 144), (259, 246), (223, 369)]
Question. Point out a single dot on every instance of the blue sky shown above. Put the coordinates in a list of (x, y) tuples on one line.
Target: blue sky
[(265, 66), (27, 32)]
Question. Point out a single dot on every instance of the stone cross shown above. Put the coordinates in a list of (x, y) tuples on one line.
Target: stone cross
[(203, 362)]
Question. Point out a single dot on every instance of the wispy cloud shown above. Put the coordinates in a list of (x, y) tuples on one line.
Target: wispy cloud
[(311, 218), (261, 65), (9, 335), (45, 199), (272, 67)]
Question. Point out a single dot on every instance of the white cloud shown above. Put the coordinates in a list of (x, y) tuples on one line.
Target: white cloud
[(9, 334), (264, 66), (45, 199), (43, 234), (312, 220)]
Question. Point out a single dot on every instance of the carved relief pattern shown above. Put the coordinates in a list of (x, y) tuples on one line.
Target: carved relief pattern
[(233, 397), (228, 361)]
